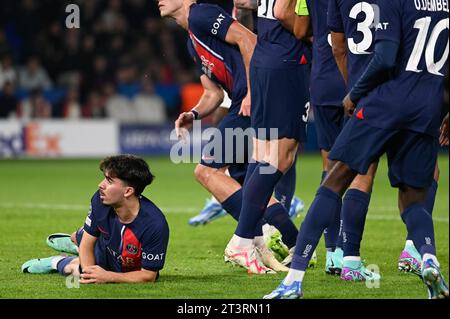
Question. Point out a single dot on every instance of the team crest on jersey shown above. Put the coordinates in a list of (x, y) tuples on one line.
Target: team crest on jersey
[(132, 249)]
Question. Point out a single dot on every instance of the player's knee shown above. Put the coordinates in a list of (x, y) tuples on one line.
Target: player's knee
[(409, 196), (286, 162), (363, 183), (339, 178), (203, 174)]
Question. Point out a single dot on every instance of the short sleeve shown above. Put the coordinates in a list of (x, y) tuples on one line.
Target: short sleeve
[(210, 19), (391, 20), (154, 247), (301, 8), (91, 222), (334, 18)]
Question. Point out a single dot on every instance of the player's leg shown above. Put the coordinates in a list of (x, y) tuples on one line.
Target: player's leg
[(279, 125), (66, 243), (412, 161), (410, 259), (319, 217), (355, 149), (329, 121), (354, 211), (62, 264), (420, 227)]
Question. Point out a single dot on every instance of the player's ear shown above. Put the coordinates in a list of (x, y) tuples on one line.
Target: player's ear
[(129, 191)]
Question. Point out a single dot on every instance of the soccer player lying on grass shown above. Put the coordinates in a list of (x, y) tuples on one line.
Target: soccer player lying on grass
[(125, 236)]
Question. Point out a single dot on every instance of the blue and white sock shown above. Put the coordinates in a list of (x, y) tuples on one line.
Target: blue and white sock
[(256, 195), (317, 219), (354, 211), (62, 263), (233, 204), (420, 228), (429, 202), (285, 189), (277, 216)]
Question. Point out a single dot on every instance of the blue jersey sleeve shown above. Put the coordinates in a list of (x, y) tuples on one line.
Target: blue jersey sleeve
[(154, 247), (210, 19), (334, 18), (391, 18), (91, 222)]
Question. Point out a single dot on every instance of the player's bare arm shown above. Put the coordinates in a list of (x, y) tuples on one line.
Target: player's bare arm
[(246, 41), (339, 45), (87, 246), (284, 11), (246, 4), (98, 275), (210, 100)]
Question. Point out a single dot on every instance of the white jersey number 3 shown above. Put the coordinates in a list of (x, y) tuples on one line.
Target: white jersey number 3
[(364, 27)]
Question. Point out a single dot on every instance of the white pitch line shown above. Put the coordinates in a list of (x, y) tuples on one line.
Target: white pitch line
[(190, 210)]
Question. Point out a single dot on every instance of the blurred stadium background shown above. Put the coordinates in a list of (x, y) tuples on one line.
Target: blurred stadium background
[(125, 67), (115, 85)]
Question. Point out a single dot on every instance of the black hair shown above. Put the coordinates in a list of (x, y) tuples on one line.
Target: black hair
[(131, 169)]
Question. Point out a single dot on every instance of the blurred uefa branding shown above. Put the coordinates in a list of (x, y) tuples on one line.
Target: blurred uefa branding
[(73, 19), (236, 145)]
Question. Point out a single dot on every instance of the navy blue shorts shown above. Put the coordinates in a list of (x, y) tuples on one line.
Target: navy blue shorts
[(279, 101), (411, 156), (99, 251), (329, 122), (235, 148)]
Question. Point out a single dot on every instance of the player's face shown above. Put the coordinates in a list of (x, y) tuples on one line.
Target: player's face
[(167, 8), (112, 190)]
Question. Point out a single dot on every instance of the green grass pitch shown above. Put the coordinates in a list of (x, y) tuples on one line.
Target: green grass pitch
[(41, 197)]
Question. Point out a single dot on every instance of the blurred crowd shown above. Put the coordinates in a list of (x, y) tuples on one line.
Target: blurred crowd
[(124, 61)]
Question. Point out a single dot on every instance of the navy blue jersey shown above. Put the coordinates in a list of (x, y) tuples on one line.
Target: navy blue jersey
[(276, 47), (357, 19), (214, 57), (227, 5), (327, 84), (130, 247), (412, 99)]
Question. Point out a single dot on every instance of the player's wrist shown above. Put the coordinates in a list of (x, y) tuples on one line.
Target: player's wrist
[(195, 114)]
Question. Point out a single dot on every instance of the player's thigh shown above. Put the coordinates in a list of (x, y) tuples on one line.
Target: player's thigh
[(359, 145), (329, 121), (278, 104), (412, 159), (230, 143)]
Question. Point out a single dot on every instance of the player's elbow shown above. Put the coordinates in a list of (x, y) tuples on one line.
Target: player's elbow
[(279, 14), (219, 96), (148, 276), (301, 27)]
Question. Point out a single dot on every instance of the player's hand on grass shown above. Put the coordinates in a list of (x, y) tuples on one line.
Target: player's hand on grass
[(443, 138), (349, 105), (183, 123), (95, 275), (246, 106)]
